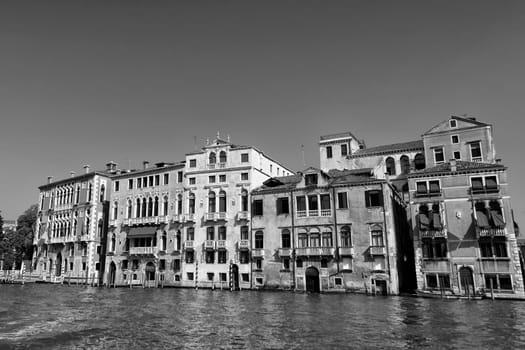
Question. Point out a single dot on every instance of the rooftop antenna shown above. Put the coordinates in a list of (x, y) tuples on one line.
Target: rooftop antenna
[(304, 160), (218, 135), (228, 138), (195, 143)]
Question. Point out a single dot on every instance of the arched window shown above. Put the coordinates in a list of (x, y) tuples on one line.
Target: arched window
[(179, 204), (144, 207), (115, 210), (390, 166), (165, 206), (212, 158), (210, 233), (129, 209), (77, 199), (405, 164), (211, 202), (222, 233), (244, 233), (222, 157), (285, 239), (137, 214), (163, 241), (259, 240), (222, 202), (346, 237), (113, 241), (156, 207), (102, 193), (244, 200), (419, 161), (190, 234), (90, 192), (191, 203), (150, 207)]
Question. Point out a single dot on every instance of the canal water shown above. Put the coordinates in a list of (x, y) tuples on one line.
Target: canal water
[(60, 317)]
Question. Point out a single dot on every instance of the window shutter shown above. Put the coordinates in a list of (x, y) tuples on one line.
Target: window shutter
[(367, 198)]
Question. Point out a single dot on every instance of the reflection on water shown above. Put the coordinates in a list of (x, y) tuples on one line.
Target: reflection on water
[(60, 317)]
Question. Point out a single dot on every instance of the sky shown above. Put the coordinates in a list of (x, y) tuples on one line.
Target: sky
[(86, 82)]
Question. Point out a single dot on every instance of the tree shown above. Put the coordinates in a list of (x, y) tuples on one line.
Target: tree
[(17, 245)]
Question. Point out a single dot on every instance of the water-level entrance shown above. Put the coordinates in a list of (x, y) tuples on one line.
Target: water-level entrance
[(312, 280)]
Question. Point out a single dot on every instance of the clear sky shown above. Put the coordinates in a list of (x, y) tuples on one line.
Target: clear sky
[(85, 82)]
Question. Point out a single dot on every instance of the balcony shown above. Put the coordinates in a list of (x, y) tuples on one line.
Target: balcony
[(313, 212), (221, 244), (209, 216), (346, 251), (301, 213), (178, 218), (491, 231), (209, 245), (433, 233), (220, 216), (142, 250), (190, 217), (326, 212), (484, 190), (258, 253), (435, 193), (377, 250), (243, 215), (285, 251), (211, 165), (189, 245), (244, 244), (315, 251), (221, 165)]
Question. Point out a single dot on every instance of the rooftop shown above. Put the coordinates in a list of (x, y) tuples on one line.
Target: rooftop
[(461, 166), (392, 148)]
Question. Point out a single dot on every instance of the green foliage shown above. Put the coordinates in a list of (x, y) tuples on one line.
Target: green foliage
[(17, 245)]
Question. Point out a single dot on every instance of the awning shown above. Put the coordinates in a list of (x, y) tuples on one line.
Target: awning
[(482, 219), (142, 231)]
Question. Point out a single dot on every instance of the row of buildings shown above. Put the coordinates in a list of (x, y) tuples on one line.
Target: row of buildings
[(431, 215)]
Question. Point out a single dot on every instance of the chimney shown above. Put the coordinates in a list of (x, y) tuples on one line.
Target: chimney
[(111, 166), (453, 165), (49, 179), (72, 173), (145, 164), (498, 160), (86, 168)]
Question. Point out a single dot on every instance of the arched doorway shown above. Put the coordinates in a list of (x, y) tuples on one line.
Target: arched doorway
[(58, 265), (112, 273), (467, 280), (234, 278), (150, 271), (312, 280)]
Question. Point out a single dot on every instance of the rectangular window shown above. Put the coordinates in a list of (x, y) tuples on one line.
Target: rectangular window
[(210, 257), (285, 240), (223, 277), (344, 149), (258, 207), (189, 276), (373, 198), (377, 238), (283, 206), (245, 277), (157, 180), (457, 155), (117, 186), (432, 281), (475, 151), (244, 176), (244, 158), (134, 264), (139, 182), (244, 232), (342, 200), (439, 156), (301, 204), (211, 179), (130, 184), (258, 264), (162, 264), (310, 179), (328, 151), (190, 257), (222, 178), (192, 181), (180, 176), (244, 257), (325, 202), (221, 257), (145, 181), (124, 264), (453, 123), (286, 263), (313, 204), (491, 182), (455, 139), (151, 181), (210, 276), (166, 179), (193, 163), (434, 187), (176, 265)]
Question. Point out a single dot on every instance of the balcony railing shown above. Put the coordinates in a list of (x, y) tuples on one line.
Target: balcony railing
[(221, 165), (178, 218), (326, 212), (313, 212), (221, 244), (220, 215), (211, 165), (244, 244), (301, 213), (346, 251), (428, 193), (438, 233), (484, 190), (209, 216), (477, 160), (189, 245), (141, 250), (491, 231), (285, 251), (257, 253), (243, 215), (315, 251), (209, 244), (377, 250), (190, 217)]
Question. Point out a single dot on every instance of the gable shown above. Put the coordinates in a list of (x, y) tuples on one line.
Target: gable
[(461, 123)]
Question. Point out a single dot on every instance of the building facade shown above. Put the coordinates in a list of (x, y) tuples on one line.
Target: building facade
[(71, 225), (336, 231), (464, 234)]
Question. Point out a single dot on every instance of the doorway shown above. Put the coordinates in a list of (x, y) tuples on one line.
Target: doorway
[(150, 271), (112, 273), (467, 281), (58, 265), (234, 278), (312, 280)]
